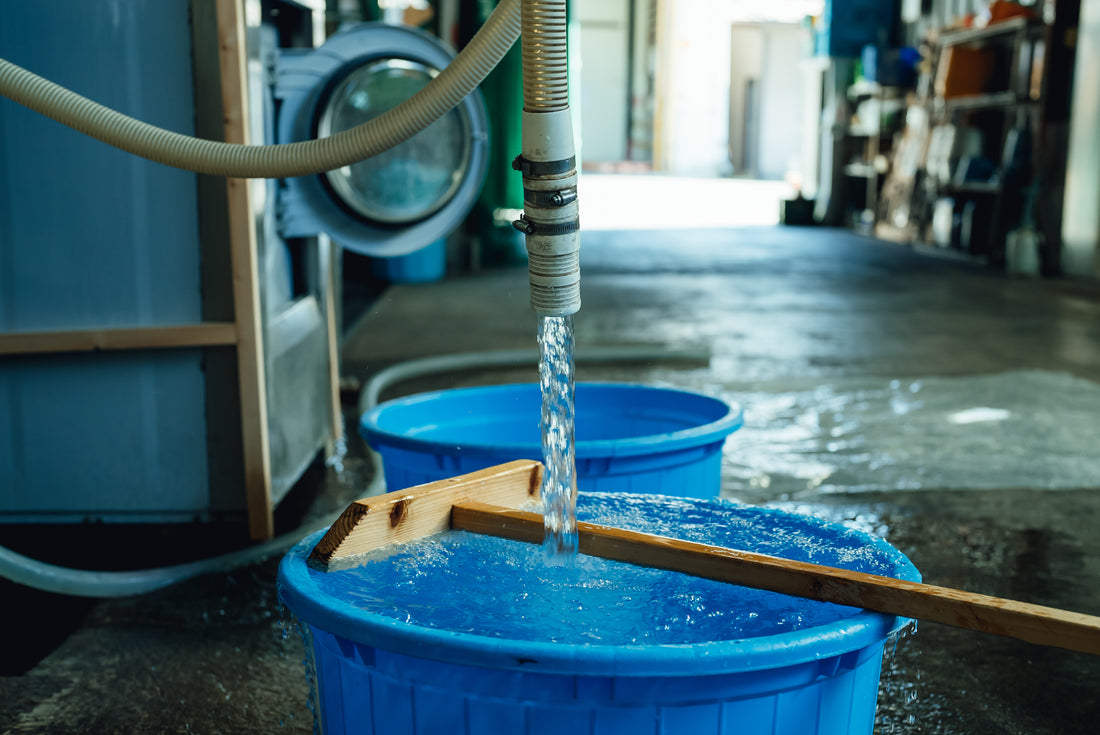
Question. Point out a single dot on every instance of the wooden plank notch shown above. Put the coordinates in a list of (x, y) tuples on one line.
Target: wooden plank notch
[(423, 510)]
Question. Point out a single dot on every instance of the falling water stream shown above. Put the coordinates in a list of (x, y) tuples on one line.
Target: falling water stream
[(559, 481)]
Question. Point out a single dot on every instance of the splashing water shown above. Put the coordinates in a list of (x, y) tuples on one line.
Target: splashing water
[(482, 585), (310, 663), (898, 691), (289, 622), (559, 481)]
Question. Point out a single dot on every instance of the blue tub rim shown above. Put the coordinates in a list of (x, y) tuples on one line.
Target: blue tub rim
[(712, 432), (865, 628)]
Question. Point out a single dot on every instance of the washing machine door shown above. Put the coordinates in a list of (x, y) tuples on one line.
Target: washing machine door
[(405, 198)]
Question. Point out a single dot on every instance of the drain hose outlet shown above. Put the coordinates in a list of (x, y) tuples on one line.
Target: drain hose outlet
[(548, 162)]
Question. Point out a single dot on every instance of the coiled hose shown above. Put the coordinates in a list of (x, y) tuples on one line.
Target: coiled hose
[(461, 76)]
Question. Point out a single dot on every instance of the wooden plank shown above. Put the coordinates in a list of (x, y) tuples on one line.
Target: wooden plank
[(1033, 623), (222, 404), (246, 291), (405, 515), (118, 338)]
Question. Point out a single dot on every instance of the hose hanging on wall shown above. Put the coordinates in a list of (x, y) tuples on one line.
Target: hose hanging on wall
[(550, 221)]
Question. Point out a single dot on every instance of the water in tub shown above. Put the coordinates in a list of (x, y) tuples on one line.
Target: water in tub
[(505, 589)]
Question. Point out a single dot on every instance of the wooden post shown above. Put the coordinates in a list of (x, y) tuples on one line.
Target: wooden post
[(246, 290)]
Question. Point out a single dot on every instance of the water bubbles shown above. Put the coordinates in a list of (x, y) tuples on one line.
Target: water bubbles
[(470, 583), (898, 691)]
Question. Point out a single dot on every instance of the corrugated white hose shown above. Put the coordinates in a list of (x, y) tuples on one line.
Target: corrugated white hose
[(545, 55), (457, 80), (550, 219)]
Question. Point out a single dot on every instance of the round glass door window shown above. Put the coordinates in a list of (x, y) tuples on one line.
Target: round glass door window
[(414, 179)]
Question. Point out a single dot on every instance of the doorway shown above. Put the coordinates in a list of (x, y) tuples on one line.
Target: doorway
[(693, 105)]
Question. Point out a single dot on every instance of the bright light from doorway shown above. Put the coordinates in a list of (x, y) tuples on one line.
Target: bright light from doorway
[(655, 202), (777, 11)]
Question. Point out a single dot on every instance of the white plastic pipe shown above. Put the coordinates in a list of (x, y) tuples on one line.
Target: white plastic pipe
[(461, 76), (551, 219)]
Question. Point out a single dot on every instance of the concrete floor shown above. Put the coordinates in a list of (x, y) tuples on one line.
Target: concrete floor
[(860, 365)]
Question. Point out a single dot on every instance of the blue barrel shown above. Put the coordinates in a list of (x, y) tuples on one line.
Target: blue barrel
[(381, 667), (425, 265), (629, 438)]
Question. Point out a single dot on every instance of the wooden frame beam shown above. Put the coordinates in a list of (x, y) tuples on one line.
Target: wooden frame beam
[(212, 334)]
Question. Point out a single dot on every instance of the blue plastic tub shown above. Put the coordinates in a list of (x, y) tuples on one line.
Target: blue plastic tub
[(378, 673), (629, 438)]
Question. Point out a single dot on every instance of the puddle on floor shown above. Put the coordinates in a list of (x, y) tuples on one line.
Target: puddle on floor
[(1023, 429), (806, 437)]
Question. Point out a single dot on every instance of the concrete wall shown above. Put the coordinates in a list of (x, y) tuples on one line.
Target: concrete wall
[(781, 105), (747, 47), (701, 110), (604, 39), (694, 88)]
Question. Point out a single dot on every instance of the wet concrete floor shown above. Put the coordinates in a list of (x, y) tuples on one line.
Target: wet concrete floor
[(933, 402)]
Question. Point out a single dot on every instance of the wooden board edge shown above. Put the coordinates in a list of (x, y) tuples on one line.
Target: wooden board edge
[(1024, 621), (421, 510)]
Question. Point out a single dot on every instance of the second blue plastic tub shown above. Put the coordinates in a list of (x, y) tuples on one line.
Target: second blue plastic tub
[(629, 438)]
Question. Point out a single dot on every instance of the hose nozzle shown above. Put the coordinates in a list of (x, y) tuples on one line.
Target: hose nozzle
[(550, 218)]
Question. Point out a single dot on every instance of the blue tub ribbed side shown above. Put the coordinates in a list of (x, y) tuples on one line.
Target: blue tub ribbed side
[(365, 690)]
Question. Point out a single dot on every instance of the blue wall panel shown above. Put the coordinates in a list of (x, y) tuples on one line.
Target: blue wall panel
[(107, 444), (93, 237)]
